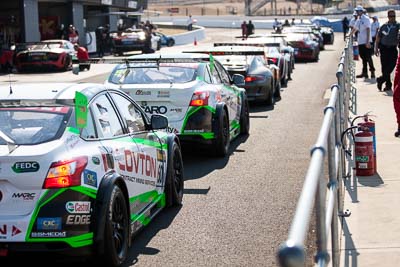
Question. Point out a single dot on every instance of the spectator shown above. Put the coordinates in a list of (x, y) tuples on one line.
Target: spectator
[(374, 30), (102, 38), (61, 34), (396, 96), (385, 47), (73, 35), (277, 26), (364, 39), (345, 27), (250, 28), (286, 23), (244, 30), (81, 52), (293, 22), (189, 23)]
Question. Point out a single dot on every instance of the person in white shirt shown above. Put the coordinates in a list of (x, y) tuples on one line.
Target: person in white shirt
[(374, 29), (364, 39), (189, 23)]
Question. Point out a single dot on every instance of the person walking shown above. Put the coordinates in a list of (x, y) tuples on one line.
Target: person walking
[(396, 96), (386, 47), (250, 28), (73, 35), (244, 30), (189, 23), (374, 30), (364, 39), (345, 27)]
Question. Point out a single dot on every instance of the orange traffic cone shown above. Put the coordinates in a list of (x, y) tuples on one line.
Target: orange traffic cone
[(195, 41)]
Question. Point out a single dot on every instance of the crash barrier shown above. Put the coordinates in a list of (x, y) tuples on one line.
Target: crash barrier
[(325, 192)]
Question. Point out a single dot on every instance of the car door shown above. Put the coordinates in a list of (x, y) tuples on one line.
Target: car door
[(231, 93), (145, 163)]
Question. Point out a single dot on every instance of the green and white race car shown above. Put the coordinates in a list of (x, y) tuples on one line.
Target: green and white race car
[(202, 101), (82, 168)]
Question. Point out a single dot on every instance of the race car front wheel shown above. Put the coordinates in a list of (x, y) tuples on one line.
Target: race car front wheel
[(116, 232), (174, 184), (221, 141)]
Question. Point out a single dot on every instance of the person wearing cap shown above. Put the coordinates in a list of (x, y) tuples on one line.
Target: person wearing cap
[(386, 47), (364, 40), (374, 29)]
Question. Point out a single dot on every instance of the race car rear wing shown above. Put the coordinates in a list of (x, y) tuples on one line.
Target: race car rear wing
[(228, 53), (258, 44), (23, 46)]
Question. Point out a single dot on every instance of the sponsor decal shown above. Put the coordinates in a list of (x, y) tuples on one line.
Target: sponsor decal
[(163, 94), (177, 110), (48, 223), (362, 158), (194, 131), (78, 206), (24, 196), (29, 166), (141, 92), (78, 219), (155, 109), (49, 234), (96, 160), (161, 155), (90, 178), (3, 231), (139, 180), (139, 163), (71, 141), (171, 130)]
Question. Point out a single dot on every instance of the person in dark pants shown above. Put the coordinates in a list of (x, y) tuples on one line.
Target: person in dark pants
[(386, 47), (364, 39), (250, 28), (345, 26)]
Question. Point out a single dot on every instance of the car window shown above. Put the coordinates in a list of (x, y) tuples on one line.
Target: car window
[(130, 114), (105, 118), (89, 132), (224, 75), (214, 75), (33, 125), (207, 76)]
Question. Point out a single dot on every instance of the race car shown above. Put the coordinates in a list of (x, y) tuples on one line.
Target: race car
[(305, 48), (203, 103), (165, 39), (133, 40), (45, 55), (83, 168), (250, 62)]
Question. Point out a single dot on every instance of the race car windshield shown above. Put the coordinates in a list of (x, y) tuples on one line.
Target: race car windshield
[(162, 74), (29, 126)]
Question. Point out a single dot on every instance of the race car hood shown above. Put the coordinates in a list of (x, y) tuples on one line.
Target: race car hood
[(171, 100), (22, 173)]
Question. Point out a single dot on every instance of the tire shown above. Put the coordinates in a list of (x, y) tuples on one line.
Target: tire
[(116, 232), (271, 96), (244, 116), (277, 93), (174, 181), (67, 63), (171, 42), (222, 135)]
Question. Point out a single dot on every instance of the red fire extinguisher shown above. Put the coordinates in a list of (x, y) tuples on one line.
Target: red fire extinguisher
[(370, 124), (364, 152)]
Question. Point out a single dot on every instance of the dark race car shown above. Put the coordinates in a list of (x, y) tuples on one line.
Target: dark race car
[(44, 55), (133, 40), (305, 48), (250, 62)]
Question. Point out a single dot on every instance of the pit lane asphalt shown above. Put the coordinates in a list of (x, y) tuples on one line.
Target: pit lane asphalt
[(237, 210)]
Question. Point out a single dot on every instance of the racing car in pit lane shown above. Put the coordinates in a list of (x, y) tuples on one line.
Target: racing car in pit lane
[(203, 103), (273, 55), (45, 55), (305, 48), (248, 61), (83, 168)]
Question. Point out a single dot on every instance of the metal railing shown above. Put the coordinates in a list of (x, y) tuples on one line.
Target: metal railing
[(327, 196)]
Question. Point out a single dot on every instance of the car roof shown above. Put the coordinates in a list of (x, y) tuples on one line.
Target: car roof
[(171, 56), (47, 91)]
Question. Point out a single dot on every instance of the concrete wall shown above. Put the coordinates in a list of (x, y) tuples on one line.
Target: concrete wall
[(31, 20)]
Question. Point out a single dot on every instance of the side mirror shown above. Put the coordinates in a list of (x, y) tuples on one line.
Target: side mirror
[(158, 122), (238, 80)]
